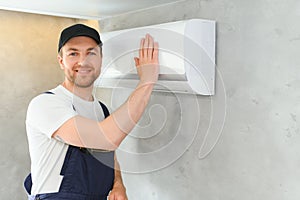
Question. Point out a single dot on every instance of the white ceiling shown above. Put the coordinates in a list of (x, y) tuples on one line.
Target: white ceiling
[(85, 9)]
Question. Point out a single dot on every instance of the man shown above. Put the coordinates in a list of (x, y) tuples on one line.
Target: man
[(66, 128)]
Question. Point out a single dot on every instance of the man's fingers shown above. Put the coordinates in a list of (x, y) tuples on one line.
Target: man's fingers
[(155, 52), (148, 52), (146, 46), (150, 47), (136, 60), (141, 52)]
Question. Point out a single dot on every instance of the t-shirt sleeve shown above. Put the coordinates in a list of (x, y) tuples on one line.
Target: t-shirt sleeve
[(47, 112)]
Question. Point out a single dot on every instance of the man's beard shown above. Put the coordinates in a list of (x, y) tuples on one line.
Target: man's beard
[(83, 82)]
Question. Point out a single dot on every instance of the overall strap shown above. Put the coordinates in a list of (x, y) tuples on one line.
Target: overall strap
[(104, 108), (48, 92)]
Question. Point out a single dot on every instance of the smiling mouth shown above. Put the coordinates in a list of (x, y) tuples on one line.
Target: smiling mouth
[(83, 71)]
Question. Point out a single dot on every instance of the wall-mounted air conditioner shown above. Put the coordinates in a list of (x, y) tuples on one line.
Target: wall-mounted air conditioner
[(186, 55)]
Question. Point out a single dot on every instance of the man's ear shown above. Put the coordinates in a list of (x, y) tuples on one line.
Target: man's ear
[(60, 61)]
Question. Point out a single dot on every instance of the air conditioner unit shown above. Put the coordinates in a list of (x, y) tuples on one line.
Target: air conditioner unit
[(186, 55)]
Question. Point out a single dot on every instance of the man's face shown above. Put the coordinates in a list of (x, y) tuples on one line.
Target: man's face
[(81, 61)]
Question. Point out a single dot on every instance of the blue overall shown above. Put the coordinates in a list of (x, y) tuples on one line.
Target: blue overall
[(87, 175)]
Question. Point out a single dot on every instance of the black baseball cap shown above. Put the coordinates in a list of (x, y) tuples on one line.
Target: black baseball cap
[(78, 30)]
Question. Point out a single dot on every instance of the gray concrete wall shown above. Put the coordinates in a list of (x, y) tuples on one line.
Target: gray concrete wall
[(257, 92), (28, 67)]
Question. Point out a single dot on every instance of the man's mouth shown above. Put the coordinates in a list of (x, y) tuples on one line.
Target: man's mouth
[(83, 71)]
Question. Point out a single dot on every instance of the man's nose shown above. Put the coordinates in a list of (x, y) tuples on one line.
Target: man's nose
[(83, 60)]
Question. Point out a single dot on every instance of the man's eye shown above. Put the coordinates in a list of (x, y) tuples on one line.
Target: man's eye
[(72, 54), (92, 53)]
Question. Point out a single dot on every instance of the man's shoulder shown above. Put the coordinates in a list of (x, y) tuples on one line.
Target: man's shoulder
[(54, 95)]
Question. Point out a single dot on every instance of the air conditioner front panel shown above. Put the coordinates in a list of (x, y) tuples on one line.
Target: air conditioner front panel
[(120, 49), (186, 55)]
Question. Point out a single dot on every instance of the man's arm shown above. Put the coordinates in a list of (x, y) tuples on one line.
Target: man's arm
[(109, 133), (119, 191)]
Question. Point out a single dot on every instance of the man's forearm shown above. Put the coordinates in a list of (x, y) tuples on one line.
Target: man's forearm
[(118, 175), (124, 119)]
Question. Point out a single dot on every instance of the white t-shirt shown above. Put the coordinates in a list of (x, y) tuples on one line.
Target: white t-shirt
[(45, 114)]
